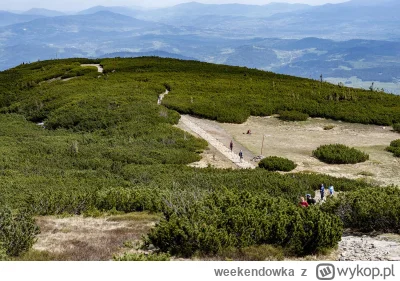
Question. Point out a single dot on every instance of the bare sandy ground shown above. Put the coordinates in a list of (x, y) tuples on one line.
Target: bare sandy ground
[(297, 140), (218, 140)]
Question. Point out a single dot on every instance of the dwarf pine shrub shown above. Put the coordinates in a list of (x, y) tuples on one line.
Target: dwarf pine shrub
[(339, 154), (227, 219), (394, 148), (396, 127), (274, 163), (368, 209), (3, 254), (17, 231)]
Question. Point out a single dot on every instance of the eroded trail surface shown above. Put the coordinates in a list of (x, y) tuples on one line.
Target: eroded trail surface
[(161, 96), (215, 137), (384, 247)]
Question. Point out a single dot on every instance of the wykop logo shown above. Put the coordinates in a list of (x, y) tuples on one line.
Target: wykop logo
[(325, 271)]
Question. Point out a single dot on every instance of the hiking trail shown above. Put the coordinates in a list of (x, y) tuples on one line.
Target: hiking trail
[(161, 96), (191, 123)]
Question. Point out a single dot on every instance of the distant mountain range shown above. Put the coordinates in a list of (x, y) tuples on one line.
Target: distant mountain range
[(44, 12), (160, 54), (7, 18), (278, 37)]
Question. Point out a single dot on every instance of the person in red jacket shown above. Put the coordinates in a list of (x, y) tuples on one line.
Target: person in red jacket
[(303, 202)]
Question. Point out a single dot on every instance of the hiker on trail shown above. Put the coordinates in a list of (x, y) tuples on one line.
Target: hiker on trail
[(241, 155), (303, 203), (231, 145), (322, 191), (249, 132), (310, 200), (331, 190)]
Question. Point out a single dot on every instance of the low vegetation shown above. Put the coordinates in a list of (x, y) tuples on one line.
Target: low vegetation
[(370, 209), (396, 127), (228, 219), (293, 116), (274, 163), (329, 127), (394, 148), (17, 232), (106, 146), (253, 253), (3, 254), (339, 154), (143, 257)]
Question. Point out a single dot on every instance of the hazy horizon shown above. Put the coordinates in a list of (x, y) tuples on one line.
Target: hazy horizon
[(76, 5)]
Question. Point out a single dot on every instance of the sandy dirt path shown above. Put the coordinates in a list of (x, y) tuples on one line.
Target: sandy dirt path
[(196, 126), (217, 155), (161, 96)]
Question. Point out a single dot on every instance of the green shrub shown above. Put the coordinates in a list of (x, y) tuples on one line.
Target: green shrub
[(396, 127), (293, 116), (3, 253), (339, 154), (143, 257), (395, 143), (274, 163), (79, 71), (369, 209), (394, 148), (17, 231), (226, 220)]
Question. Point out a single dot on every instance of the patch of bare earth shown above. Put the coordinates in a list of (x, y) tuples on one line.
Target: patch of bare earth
[(78, 238), (385, 247), (216, 155), (297, 140)]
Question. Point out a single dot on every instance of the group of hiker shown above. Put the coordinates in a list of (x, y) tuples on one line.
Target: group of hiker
[(303, 202), (240, 152), (312, 201)]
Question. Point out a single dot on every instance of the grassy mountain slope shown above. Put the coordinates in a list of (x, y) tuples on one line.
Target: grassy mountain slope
[(108, 145)]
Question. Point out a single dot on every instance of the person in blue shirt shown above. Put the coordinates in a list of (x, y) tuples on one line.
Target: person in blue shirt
[(331, 190), (322, 191)]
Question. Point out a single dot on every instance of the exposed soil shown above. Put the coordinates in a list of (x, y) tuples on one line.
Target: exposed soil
[(78, 238), (217, 138), (385, 247), (297, 140)]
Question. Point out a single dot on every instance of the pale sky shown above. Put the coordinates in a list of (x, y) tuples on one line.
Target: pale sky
[(77, 5)]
